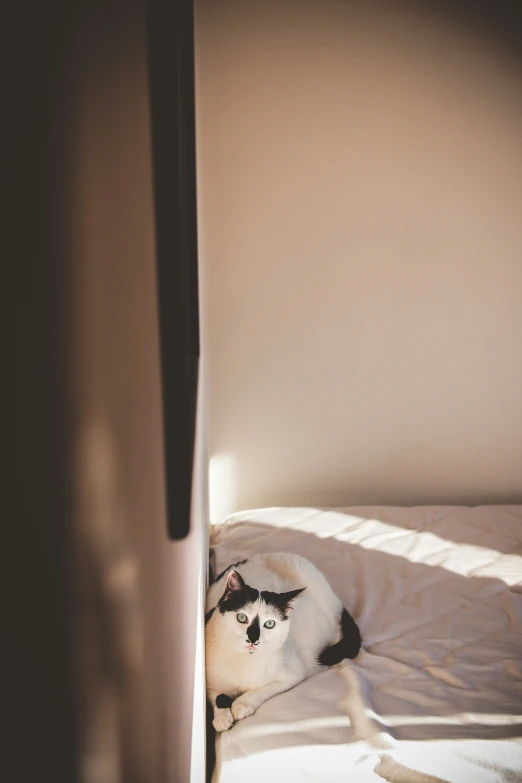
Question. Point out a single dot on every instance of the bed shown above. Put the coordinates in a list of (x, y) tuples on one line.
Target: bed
[(436, 692)]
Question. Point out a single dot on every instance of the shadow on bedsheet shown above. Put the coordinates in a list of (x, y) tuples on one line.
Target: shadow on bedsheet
[(442, 645)]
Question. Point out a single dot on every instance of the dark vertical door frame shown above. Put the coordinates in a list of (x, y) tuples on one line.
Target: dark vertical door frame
[(172, 107)]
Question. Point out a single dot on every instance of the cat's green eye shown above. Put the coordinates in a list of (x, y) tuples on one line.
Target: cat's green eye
[(242, 618), (269, 623)]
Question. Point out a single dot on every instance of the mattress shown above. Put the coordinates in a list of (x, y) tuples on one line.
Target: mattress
[(436, 692)]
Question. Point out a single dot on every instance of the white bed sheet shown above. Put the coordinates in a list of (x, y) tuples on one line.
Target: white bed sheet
[(436, 692)]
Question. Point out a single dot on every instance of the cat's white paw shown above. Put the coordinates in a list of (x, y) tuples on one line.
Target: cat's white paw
[(223, 720), (242, 709)]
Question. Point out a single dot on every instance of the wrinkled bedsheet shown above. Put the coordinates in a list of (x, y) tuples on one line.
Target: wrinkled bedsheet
[(436, 692)]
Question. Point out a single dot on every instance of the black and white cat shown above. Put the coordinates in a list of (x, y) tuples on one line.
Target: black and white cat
[(254, 648)]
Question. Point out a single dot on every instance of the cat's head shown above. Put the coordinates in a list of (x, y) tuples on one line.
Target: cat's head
[(253, 621)]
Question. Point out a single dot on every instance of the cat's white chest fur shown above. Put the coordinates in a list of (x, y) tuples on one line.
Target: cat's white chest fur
[(234, 674)]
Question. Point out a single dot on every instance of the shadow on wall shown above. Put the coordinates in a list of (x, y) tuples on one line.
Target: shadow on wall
[(109, 616), (499, 22), (425, 629)]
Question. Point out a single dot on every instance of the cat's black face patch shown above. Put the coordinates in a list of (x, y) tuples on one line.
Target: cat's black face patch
[(253, 630), (237, 594), (223, 701), (281, 602)]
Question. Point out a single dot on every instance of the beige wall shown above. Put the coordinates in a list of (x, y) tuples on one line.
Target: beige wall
[(360, 193)]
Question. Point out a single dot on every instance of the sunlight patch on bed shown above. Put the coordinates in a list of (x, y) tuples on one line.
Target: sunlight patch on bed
[(457, 719), (415, 545), (268, 728), (305, 763)]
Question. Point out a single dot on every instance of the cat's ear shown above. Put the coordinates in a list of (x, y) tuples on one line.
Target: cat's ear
[(287, 599), (235, 584)]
